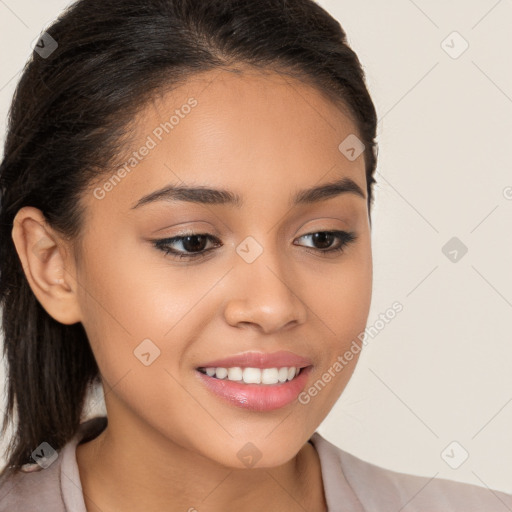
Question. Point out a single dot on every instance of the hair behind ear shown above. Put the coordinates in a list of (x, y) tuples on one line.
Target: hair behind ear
[(50, 368)]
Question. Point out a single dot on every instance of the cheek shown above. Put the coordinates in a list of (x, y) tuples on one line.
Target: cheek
[(341, 304), (124, 292), (130, 310), (341, 309), (341, 296), (127, 300)]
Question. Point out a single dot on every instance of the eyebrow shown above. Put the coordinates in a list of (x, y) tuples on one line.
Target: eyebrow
[(205, 195)]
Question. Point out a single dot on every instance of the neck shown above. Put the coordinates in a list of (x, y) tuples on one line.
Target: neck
[(129, 470)]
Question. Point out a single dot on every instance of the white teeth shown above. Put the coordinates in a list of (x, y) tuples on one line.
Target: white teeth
[(235, 373), (283, 374), (254, 375), (221, 373), (269, 376)]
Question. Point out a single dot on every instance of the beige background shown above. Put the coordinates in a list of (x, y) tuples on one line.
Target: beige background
[(440, 371)]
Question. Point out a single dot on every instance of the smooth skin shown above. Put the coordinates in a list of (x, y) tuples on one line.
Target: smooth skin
[(171, 445)]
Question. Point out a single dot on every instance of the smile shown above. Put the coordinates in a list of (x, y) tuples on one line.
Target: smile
[(255, 389), (266, 376)]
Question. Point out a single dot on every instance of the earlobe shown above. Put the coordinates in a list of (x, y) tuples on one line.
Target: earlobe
[(43, 255)]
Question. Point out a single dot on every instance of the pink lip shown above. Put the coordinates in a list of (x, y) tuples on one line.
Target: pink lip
[(260, 360), (257, 397)]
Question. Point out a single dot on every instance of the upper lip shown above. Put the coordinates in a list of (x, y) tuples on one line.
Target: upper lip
[(260, 360)]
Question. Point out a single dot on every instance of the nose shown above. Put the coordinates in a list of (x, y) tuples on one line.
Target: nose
[(265, 295)]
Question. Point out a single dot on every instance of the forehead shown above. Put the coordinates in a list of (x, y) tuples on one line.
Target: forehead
[(254, 102), (260, 134)]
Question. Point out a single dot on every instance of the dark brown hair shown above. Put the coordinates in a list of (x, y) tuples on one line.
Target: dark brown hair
[(69, 121)]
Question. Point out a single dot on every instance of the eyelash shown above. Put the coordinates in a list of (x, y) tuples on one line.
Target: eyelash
[(346, 238)]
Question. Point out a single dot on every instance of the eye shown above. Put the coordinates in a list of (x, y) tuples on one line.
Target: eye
[(194, 244), (325, 238)]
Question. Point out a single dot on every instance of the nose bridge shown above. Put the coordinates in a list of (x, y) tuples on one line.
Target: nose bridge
[(260, 261), (263, 293)]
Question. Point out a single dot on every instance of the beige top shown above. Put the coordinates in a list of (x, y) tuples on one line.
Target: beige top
[(350, 485)]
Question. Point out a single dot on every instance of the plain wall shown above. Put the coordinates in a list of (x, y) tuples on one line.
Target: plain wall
[(440, 370)]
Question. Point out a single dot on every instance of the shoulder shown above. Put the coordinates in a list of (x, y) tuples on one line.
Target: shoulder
[(380, 489), (32, 489), (36, 488)]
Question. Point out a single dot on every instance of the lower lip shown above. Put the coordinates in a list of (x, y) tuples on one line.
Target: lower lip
[(257, 397)]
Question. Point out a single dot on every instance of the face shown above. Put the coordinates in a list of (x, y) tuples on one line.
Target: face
[(172, 283)]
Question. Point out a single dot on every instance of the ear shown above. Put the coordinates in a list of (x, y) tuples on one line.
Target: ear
[(50, 272)]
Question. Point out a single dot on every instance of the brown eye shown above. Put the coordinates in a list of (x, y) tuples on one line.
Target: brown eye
[(193, 245), (325, 239)]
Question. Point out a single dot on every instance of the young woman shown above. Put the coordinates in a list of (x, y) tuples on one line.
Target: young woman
[(186, 192)]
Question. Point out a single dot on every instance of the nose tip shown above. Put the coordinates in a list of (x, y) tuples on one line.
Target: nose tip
[(264, 300)]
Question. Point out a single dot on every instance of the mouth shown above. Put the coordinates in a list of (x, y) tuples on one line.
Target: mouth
[(255, 389), (249, 375)]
